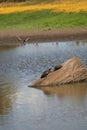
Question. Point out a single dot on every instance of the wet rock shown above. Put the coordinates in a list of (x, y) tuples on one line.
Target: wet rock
[(71, 71)]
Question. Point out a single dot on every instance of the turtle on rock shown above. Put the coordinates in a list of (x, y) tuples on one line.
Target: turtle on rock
[(57, 67), (45, 73)]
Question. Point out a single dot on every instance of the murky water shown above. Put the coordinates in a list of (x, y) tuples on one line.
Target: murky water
[(24, 108)]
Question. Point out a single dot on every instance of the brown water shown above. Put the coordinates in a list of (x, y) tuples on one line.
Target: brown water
[(55, 108)]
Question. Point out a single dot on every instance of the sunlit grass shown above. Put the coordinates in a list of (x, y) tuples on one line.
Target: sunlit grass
[(64, 6), (37, 14)]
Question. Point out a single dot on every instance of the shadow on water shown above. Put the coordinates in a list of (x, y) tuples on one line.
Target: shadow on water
[(76, 90)]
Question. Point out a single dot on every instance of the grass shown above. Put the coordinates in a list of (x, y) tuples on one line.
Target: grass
[(55, 7), (40, 14), (42, 19)]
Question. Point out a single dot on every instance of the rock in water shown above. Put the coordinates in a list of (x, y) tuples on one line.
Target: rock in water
[(71, 71)]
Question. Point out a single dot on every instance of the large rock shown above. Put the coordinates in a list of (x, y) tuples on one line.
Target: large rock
[(71, 71)]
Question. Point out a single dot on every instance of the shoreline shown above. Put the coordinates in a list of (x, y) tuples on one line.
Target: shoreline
[(9, 37)]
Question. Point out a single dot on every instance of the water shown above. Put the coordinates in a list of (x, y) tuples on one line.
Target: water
[(56, 108)]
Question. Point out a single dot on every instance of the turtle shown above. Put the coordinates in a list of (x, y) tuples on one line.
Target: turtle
[(45, 73), (57, 67)]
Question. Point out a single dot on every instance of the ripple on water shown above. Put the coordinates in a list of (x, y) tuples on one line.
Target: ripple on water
[(40, 109)]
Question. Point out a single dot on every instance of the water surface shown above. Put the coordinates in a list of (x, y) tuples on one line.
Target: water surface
[(55, 108)]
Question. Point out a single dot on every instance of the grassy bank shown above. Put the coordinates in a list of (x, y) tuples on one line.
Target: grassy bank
[(42, 19), (40, 14)]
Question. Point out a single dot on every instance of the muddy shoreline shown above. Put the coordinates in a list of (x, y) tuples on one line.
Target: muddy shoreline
[(9, 37)]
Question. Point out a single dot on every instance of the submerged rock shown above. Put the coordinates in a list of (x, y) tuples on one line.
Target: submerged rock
[(71, 71)]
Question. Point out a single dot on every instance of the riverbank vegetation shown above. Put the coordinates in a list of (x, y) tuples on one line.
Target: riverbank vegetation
[(42, 19), (39, 14)]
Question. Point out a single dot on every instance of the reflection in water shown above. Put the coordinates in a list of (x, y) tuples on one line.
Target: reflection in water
[(71, 90), (7, 97), (7, 48)]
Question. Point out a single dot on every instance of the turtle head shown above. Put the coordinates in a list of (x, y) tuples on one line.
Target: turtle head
[(50, 69)]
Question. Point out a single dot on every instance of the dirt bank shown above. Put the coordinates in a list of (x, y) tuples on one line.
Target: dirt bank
[(9, 37)]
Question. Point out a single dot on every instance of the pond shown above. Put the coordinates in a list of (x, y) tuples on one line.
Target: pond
[(25, 108)]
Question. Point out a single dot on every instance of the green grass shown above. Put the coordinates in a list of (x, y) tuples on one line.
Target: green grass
[(40, 1), (42, 19)]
